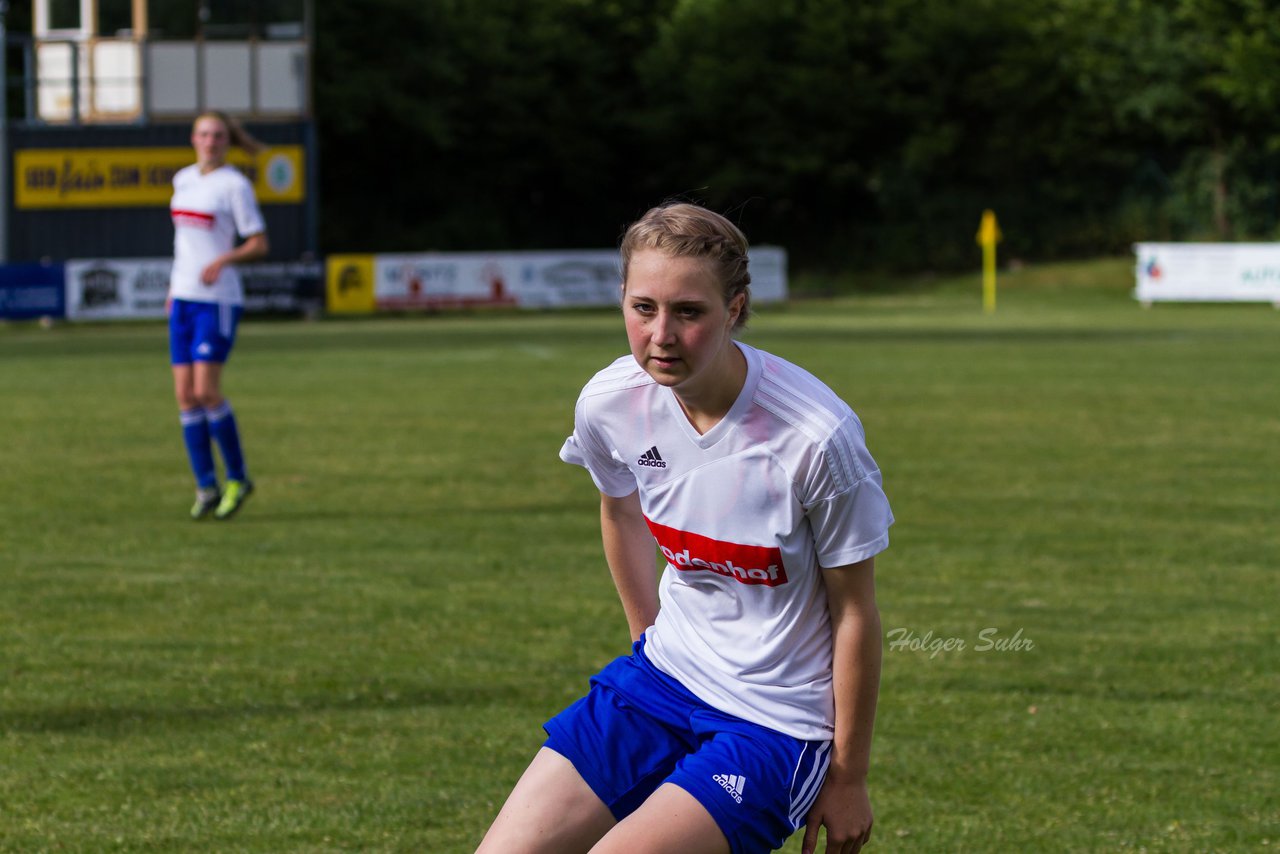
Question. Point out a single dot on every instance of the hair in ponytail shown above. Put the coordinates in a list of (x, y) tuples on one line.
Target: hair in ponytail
[(239, 137)]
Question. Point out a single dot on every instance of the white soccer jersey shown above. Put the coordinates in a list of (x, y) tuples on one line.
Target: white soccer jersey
[(746, 515), (208, 211)]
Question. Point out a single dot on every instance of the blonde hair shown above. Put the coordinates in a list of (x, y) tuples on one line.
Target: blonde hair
[(684, 230), (239, 137)]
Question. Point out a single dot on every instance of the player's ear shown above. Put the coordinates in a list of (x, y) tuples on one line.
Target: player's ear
[(735, 308)]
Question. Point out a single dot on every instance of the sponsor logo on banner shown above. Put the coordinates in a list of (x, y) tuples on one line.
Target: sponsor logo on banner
[(349, 284), (99, 288), (291, 288), (48, 178), (438, 282), (280, 174), (689, 552), (350, 280), (584, 281)]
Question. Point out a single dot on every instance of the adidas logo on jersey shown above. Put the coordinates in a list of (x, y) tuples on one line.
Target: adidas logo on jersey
[(652, 458), (731, 783)]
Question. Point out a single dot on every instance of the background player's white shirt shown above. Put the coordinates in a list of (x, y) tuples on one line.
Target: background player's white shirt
[(746, 515), (208, 211)]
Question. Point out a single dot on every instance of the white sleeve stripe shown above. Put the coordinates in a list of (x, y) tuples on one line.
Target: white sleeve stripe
[(837, 444), (845, 466), (788, 415), (623, 374), (806, 413)]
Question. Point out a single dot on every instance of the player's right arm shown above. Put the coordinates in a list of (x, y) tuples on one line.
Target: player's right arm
[(629, 551), (255, 246)]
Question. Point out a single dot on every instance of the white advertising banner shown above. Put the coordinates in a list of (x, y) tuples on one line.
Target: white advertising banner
[(1222, 272), (136, 288), (117, 288), (554, 279)]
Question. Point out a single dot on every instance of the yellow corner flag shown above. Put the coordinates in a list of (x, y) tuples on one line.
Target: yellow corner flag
[(988, 236)]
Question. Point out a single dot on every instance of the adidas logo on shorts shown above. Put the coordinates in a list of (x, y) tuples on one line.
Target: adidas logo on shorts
[(652, 458), (731, 783)]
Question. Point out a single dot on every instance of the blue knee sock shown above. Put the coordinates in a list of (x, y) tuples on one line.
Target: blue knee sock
[(195, 432), (222, 426)]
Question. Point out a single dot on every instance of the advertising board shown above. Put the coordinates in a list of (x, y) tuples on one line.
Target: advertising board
[(1208, 272)]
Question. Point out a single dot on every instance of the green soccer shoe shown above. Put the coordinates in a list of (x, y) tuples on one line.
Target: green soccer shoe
[(233, 498)]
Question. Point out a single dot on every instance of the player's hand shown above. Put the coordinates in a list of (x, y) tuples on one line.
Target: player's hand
[(844, 808), (210, 274)]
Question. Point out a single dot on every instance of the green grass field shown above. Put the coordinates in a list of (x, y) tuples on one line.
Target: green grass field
[(361, 660)]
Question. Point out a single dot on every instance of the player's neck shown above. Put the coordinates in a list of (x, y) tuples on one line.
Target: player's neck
[(709, 401)]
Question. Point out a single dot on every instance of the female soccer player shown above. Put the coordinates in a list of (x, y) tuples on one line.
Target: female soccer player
[(212, 202), (746, 706)]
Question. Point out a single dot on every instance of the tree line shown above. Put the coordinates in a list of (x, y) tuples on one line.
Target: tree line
[(853, 133)]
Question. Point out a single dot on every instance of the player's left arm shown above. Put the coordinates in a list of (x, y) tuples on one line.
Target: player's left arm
[(843, 806), (255, 246)]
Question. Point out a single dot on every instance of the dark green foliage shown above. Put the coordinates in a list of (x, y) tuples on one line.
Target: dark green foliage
[(487, 124), (861, 134)]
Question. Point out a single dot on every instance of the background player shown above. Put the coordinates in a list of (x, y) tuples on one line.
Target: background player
[(212, 203), (747, 704)]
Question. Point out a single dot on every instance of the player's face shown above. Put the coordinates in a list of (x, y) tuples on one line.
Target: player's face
[(210, 139), (678, 325)]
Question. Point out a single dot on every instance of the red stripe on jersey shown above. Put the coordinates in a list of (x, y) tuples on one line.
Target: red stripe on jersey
[(196, 219), (695, 553)]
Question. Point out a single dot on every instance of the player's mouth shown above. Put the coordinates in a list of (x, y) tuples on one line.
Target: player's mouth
[(666, 363)]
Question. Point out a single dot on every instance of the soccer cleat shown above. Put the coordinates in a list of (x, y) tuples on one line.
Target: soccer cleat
[(233, 498), (206, 499)]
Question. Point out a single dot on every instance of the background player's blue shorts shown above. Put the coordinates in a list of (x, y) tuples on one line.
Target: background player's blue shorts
[(201, 331), (638, 728)]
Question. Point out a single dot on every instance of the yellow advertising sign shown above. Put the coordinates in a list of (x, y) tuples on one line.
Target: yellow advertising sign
[(349, 284), (46, 178)]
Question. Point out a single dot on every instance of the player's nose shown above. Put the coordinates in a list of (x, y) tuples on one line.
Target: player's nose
[(662, 331)]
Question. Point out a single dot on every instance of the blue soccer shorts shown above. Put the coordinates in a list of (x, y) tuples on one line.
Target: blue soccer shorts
[(638, 728), (201, 331)]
